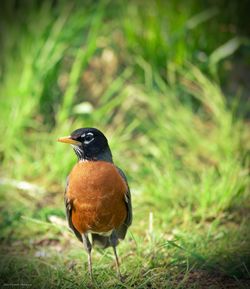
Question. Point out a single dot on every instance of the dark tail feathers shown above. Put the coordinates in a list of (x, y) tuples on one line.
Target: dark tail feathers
[(100, 241)]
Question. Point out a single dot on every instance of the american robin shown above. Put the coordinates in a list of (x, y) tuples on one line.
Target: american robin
[(97, 195)]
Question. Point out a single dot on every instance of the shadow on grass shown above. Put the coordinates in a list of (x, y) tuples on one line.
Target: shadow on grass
[(39, 255), (224, 262)]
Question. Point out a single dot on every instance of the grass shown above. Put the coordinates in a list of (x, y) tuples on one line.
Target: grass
[(154, 85)]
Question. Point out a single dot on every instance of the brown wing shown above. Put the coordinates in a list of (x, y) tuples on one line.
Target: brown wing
[(122, 230), (68, 206)]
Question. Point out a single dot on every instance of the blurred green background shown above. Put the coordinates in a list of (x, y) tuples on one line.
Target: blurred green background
[(168, 83)]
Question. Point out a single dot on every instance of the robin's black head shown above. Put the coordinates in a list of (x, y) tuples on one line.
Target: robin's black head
[(89, 144)]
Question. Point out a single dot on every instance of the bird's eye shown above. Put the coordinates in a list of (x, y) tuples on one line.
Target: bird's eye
[(88, 138)]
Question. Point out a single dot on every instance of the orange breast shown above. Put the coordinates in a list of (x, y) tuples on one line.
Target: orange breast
[(97, 193)]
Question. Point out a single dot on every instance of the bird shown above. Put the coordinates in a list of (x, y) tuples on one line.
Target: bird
[(97, 195)]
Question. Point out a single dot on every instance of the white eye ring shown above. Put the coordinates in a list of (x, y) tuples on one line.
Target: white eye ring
[(89, 133), (88, 138)]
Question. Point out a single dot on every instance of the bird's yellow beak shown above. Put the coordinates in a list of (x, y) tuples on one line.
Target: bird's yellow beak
[(68, 139)]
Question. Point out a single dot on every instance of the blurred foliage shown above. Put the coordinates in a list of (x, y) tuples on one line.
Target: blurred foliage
[(166, 81)]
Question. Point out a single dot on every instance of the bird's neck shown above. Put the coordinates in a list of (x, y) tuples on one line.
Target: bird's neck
[(105, 155)]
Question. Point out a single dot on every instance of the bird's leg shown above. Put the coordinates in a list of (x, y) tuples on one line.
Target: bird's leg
[(88, 248), (114, 242)]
